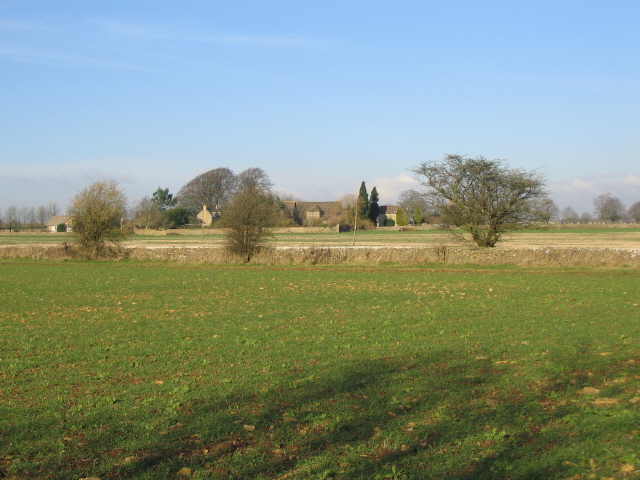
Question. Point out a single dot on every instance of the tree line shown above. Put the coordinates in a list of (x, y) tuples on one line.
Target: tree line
[(20, 218), (482, 197), (250, 208), (607, 209), (214, 189)]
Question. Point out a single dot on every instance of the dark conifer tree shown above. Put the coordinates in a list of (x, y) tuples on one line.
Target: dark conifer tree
[(363, 201), (374, 208)]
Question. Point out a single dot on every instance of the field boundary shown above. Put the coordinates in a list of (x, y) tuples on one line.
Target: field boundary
[(330, 255)]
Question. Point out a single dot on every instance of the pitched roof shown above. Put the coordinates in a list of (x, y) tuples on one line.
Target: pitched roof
[(58, 219), (326, 208), (389, 209)]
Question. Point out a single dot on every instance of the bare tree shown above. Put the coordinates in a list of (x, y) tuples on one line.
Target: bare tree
[(254, 177), (23, 216), (586, 217), (248, 217), (482, 197), (348, 201), (416, 205), (569, 215), (213, 189), (12, 218), (545, 209), (97, 214), (609, 208), (345, 215), (148, 213), (42, 215), (52, 209), (634, 212), (32, 217)]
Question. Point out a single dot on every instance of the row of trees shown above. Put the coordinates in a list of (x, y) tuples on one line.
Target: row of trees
[(214, 188), (482, 197), (16, 218), (368, 206), (607, 209), (610, 209), (99, 213)]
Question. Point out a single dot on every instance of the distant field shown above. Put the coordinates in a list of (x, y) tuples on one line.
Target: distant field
[(593, 236), (140, 371)]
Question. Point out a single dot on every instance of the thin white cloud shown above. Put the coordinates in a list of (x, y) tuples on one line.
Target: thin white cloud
[(124, 29), (11, 25), (574, 185), (259, 40), (580, 192), (633, 180), (390, 188), (55, 58), (35, 184), (158, 33)]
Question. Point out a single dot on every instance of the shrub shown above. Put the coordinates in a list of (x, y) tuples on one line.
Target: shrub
[(97, 214), (248, 217), (401, 218)]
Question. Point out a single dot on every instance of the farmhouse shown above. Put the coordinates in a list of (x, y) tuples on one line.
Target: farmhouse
[(388, 215), (312, 212), (205, 217), (60, 223)]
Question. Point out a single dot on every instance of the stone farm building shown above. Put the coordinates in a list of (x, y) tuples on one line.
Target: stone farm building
[(206, 216), (67, 221), (313, 213), (318, 213), (388, 214)]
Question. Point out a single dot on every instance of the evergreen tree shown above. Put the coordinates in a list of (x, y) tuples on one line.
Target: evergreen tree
[(374, 208), (363, 201), (163, 199)]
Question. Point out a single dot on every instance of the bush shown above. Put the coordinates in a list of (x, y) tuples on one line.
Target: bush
[(177, 217), (248, 217), (402, 218), (97, 214), (61, 227), (482, 197)]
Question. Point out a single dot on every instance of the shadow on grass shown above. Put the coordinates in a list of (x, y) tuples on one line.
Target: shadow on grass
[(445, 416)]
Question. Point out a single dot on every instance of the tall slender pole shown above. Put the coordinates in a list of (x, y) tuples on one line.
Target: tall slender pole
[(355, 221)]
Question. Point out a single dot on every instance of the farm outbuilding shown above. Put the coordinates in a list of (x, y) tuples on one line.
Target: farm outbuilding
[(388, 215), (54, 223)]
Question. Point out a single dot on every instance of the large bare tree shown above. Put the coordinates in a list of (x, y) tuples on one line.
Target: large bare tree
[(569, 215), (634, 212), (254, 177), (480, 196), (148, 213), (213, 188), (416, 205), (546, 209), (609, 208)]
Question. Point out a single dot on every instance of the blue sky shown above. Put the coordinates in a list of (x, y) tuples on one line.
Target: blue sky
[(319, 94)]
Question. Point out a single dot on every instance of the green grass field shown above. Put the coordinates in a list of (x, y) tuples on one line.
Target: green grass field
[(141, 370)]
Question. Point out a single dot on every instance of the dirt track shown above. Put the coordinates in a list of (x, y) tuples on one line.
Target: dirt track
[(618, 239)]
